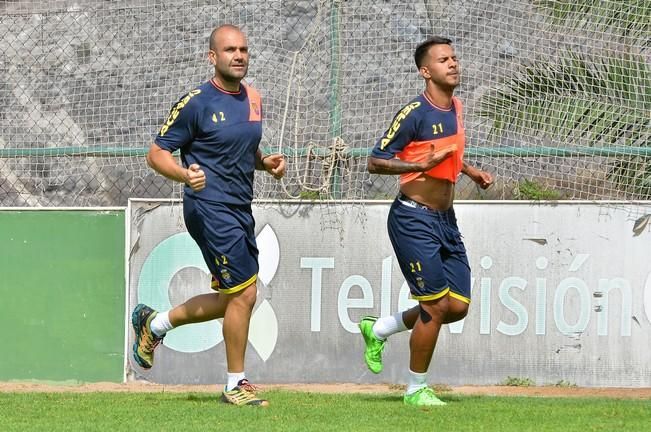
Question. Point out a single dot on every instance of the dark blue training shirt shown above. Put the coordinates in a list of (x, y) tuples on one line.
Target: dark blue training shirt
[(220, 131), (419, 120)]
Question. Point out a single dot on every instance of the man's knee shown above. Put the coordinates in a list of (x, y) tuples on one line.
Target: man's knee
[(457, 310), (434, 310), (246, 297)]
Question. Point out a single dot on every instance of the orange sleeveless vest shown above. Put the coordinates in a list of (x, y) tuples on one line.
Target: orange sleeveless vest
[(255, 103), (450, 168)]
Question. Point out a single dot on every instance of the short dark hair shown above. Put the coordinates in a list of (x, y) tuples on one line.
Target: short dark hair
[(421, 49)]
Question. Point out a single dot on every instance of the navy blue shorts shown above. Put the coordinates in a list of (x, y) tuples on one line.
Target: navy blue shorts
[(430, 251), (225, 235)]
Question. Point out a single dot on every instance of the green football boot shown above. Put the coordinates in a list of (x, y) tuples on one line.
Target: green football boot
[(424, 397), (374, 346)]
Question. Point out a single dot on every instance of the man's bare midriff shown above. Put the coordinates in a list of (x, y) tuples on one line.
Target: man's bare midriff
[(432, 192)]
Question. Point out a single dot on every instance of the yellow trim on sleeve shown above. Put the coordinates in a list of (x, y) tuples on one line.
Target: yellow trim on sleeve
[(395, 125), (174, 112), (239, 287)]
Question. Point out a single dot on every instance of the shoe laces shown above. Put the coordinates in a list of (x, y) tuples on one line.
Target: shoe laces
[(245, 385), (150, 339), (155, 342), (378, 347), (427, 394)]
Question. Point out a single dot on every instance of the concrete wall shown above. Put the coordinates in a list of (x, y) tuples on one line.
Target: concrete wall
[(560, 292)]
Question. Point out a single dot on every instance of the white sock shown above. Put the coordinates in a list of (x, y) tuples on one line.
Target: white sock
[(233, 379), (161, 324), (388, 325), (417, 381)]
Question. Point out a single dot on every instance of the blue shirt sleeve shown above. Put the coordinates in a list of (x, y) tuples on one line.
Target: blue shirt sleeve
[(180, 127), (403, 130)]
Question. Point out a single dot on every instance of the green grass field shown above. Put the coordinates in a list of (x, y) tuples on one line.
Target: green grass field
[(299, 411)]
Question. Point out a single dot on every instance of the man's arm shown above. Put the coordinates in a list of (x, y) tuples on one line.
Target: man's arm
[(259, 160), (482, 178), (164, 163), (274, 164), (392, 166), (397, 166)]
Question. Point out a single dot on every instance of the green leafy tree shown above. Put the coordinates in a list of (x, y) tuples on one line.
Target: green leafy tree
[(599, 98)]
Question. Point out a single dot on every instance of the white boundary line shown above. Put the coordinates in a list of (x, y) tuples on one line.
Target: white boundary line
[(127, 247), (330, 202), (62, 208)]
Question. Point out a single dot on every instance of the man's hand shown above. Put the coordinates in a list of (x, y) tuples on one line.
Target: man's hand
[(274, 164), (482, 178), (195, 177), (436, 157)]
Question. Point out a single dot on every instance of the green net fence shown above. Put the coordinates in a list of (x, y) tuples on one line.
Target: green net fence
[(557, 93)]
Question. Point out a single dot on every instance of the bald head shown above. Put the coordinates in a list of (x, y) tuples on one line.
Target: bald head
[(219, 33)]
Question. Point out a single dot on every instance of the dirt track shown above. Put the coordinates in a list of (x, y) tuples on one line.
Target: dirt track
[(546, 391)]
